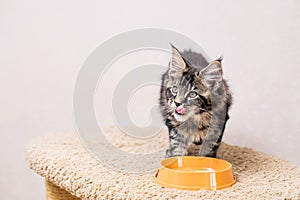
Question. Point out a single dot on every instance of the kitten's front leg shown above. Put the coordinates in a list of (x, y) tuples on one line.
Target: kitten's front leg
[(215, 132), (178, 146)]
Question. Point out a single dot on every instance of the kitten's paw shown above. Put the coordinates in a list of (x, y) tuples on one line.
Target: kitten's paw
[(211, 155), (168, 153), (174, 153)]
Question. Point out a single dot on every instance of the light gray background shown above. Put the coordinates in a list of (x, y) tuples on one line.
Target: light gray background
[(43, 44)]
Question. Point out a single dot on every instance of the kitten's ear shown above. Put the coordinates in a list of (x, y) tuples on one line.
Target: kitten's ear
[(213, 73), (177, 64)]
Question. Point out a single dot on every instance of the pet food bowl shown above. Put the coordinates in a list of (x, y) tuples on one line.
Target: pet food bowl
[(194, 173)]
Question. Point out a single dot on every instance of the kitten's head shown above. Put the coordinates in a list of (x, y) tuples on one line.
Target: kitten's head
[(187, 88)]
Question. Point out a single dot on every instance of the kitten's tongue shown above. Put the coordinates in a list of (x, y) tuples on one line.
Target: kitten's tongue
[(180, 109)]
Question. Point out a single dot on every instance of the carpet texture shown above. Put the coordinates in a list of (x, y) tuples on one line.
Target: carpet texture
[(62, 159)]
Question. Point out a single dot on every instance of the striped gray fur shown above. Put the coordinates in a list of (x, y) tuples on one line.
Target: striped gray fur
[(194, 102)]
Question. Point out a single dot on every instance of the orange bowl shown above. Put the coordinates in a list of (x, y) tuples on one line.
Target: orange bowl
[(194, 173)]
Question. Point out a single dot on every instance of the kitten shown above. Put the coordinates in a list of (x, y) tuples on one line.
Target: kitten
[(194, 101)]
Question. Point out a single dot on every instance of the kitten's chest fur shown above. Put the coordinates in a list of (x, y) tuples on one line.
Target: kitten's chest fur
[(193, 131)]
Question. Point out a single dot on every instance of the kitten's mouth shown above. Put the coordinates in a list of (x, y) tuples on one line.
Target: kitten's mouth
[(180, 110), (179, 113)]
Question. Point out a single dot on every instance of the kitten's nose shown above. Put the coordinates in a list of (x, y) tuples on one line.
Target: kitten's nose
[(177, 103)]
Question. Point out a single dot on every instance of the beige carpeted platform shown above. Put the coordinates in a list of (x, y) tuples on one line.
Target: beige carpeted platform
[(62, 160)]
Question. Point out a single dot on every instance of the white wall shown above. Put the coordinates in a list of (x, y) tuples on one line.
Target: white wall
[(44, 43)]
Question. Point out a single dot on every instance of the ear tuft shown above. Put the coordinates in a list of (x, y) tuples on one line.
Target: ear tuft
[(177, 63), (220, 59), (213, 73)]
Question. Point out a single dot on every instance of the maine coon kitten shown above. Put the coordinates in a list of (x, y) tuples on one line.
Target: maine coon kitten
[(194, 101)]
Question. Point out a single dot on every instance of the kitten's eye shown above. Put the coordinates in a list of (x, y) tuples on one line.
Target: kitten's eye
[(174, 89), (193, 94)]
